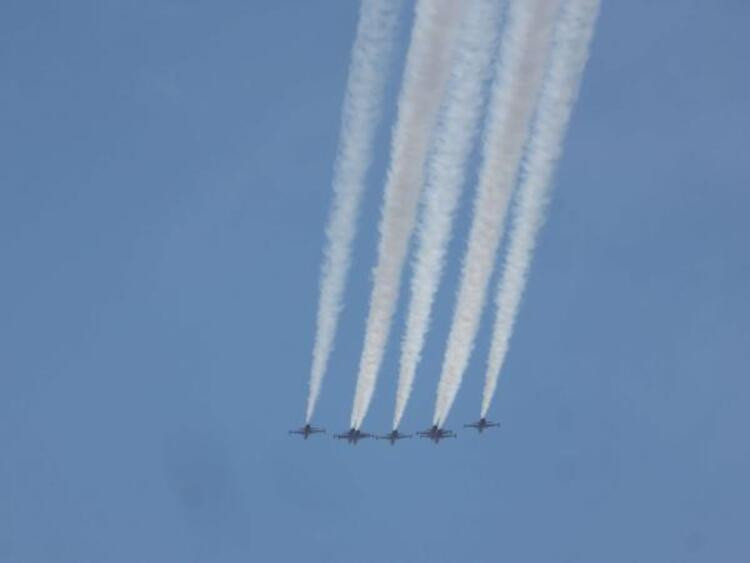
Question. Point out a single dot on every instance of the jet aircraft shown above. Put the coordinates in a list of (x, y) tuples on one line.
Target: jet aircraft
[(353, 436), (307, 430), (436, 434), (482, 424), (393, 436)]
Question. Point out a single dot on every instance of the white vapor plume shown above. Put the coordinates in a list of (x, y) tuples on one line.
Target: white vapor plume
[(456, 130), (361, 112), (425, 75), (524, 51), (568, 60)]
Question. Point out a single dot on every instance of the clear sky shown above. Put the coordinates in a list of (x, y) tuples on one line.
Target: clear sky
[(165, 172)]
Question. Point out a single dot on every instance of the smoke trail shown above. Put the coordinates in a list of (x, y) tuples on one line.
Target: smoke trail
[(425, 76), (360, 114), (524, 49), (456, 130), (573, 37)]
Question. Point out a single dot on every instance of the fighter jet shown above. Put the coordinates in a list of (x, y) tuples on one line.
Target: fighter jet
[(353, 436), (306, 430), (436, 434), (393, 436), (481, 424)]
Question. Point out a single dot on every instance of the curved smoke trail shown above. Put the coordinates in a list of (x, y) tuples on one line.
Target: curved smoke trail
[(524, 49), (425, 75), (360, 115), (455, 133), (559, 93)]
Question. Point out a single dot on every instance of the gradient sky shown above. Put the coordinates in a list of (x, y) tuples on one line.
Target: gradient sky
[(164, 184)]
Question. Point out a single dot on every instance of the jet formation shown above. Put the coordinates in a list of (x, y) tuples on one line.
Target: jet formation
[(434, 433)]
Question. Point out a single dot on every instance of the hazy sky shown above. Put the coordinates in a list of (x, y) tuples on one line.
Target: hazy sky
[(165, 177)]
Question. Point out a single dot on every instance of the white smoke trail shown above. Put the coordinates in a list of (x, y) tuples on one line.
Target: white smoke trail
[(559, 93), (425, 75), (361, 112), (455, 133), (524, 49)]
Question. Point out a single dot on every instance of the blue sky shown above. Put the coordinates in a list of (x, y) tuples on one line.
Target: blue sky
[(164, 185)]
